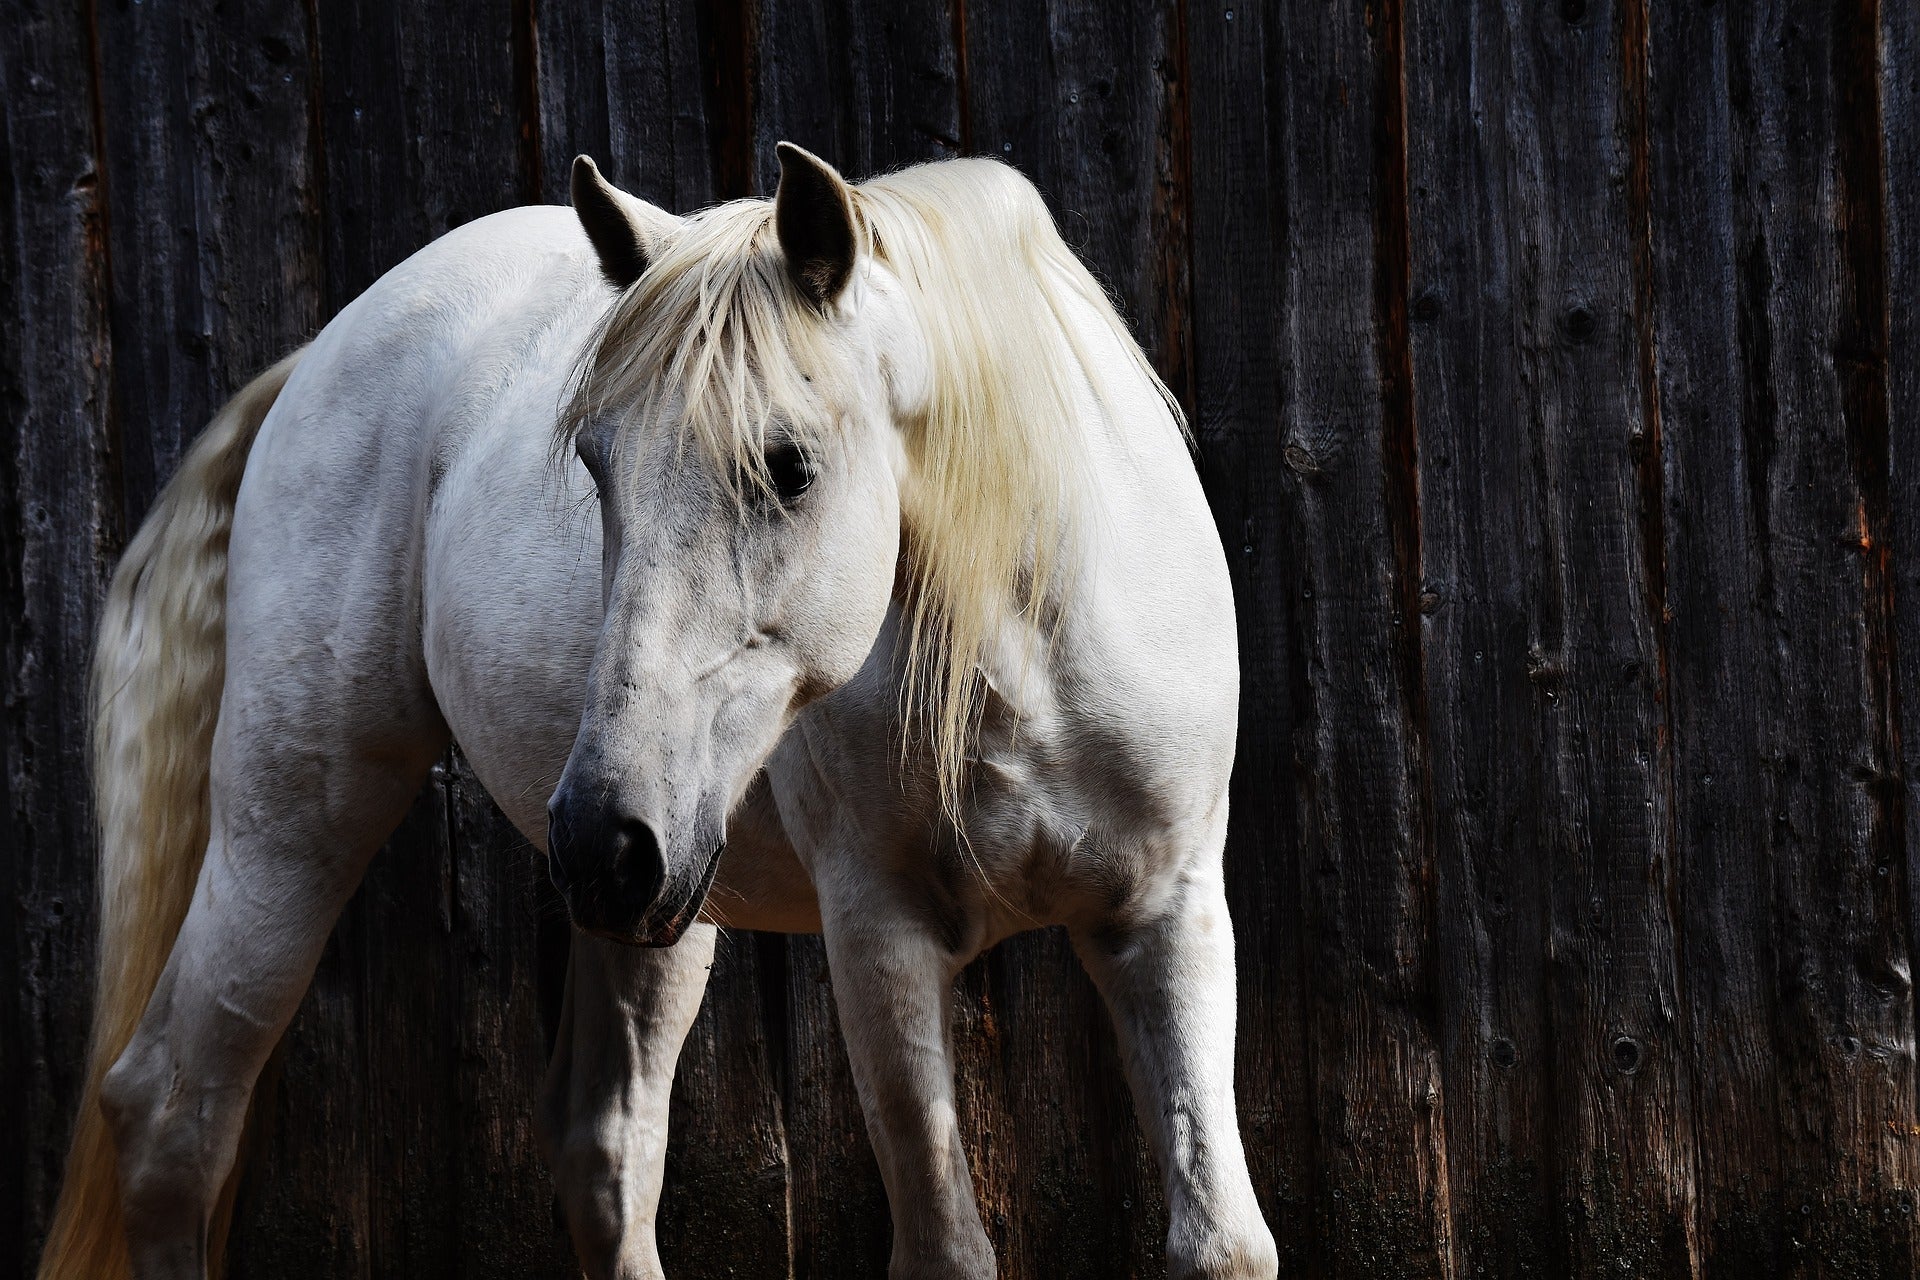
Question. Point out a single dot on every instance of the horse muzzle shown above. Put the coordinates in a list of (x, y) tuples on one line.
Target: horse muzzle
[(612, 870)]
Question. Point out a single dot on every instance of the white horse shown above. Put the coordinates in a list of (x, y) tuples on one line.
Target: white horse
[(882, 571)]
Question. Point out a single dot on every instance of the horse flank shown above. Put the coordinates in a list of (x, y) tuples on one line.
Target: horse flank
[(716, 334)]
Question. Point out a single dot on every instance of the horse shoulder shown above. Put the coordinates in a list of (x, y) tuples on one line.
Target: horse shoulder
[(399, 495)]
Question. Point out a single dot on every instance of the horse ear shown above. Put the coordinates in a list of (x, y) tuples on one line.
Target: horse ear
[(625, 230), (813, 213)]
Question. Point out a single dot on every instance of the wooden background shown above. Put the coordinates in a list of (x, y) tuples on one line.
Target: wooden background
[(1553, 368)]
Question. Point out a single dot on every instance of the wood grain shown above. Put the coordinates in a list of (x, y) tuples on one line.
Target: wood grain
[(1551, 771), (1081, 100), (1553, 371), (1899, 85), (60, 522), (1238, 226)]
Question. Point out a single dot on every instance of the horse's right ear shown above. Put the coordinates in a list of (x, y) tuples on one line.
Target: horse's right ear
[(813, 216), (624, 229)]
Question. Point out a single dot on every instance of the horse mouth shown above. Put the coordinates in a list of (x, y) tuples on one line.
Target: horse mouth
[(654, 930)]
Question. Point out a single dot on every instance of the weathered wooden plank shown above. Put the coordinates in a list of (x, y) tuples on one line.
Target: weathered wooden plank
[(1086, 102), (1622, 1086), (638, 89), (400, 936), (507, 925), (1719, 651), (205, 114), (1810, 318), (868, 86), (1239, 302), (805, 78), (59, 519), (1484, 738), (1331, 157), (303, 1205), (840, 1220), (727, 1206), (446, 115), (419, 125), (1568, 1090), (632, 86), (421, 117), (1071, 1191), (1900, 115)]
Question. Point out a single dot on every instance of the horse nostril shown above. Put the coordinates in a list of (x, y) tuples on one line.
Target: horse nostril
[(610, 866), (634, 838), (638, 864)]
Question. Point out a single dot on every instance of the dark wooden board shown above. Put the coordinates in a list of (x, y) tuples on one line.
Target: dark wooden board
[(419, 123), (1238, 227), (60, 521), (1899, 86), (811, 84), (1554, 373), (1303, 120), (868, 86), (1808, 224), (205, 111), (1551, 773), (640, 89), (1083, 100), (636, 87), (1717, 648), (510, 935), (206, 115), (1478, 582)]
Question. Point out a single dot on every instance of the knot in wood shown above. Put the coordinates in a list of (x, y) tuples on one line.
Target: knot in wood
[(1579, 324)]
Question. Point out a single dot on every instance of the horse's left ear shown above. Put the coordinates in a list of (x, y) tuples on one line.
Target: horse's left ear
[(813, 213), (625, 230)]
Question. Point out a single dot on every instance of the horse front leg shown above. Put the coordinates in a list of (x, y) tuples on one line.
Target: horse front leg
[(1168, 980), (892, 981), (603, 1114)]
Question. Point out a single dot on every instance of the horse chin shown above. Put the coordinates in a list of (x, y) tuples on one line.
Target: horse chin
[(661, 927)]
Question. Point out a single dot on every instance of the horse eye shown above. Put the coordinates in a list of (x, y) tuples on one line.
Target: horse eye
[(789, 471)]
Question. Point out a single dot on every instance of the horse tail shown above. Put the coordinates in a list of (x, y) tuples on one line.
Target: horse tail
[(153, 699)]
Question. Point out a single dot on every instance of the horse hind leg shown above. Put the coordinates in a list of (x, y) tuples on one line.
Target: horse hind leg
[(293, 828)]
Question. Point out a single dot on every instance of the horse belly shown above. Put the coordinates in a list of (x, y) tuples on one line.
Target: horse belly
[(511, 611)]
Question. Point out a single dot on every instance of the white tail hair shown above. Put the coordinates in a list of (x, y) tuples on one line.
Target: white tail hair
[(154, 696)]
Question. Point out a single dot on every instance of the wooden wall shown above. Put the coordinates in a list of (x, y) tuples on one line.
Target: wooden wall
[(1555, 371)]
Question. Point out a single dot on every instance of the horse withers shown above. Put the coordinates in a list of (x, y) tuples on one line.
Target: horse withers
[(830, 563)]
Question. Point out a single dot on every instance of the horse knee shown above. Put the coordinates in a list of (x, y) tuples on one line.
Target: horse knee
[(607, 1210)]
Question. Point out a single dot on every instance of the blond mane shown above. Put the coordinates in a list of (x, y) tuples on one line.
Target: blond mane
[(716, 333)]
